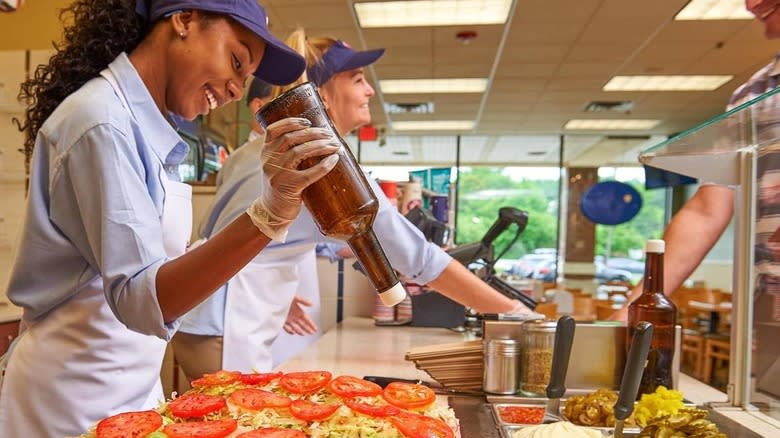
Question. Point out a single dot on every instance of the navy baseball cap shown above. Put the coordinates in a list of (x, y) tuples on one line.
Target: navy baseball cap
[(280, 65), (338, 58)]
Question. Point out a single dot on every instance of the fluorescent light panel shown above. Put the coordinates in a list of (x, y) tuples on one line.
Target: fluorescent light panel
[(432, 13), (434, 125), (714, 10), (415, 86), (667, 83), (610, 124)]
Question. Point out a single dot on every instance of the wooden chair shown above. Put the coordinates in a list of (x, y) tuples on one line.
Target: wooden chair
[(692, 352), (549, 310), (584, 308), (717, 351)]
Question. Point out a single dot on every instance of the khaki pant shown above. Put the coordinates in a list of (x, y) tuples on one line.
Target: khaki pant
[(197, 354)]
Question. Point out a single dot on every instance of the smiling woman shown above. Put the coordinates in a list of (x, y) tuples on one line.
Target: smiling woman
[(107, 220)]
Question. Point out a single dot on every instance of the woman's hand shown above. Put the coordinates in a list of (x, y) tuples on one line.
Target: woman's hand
[(298, 321), (287, 143)]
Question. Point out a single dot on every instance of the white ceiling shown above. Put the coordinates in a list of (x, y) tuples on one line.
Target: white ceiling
[(555, 58)]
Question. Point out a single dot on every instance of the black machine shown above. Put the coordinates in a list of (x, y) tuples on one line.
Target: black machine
[(481, 253)]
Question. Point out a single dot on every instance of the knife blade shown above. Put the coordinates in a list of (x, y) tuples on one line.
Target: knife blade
[(436, 387)]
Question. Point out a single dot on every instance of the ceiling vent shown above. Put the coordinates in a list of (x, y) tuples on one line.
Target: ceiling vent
[(615, 106), (409, 108)]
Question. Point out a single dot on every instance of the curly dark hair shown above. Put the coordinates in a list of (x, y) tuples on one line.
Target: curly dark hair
[(99, 31)]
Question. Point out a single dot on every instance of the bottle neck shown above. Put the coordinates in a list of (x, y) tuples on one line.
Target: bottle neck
[(654, 274), (373, 260)]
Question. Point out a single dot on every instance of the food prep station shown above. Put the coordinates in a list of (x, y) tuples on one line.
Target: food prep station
[(358, 347)]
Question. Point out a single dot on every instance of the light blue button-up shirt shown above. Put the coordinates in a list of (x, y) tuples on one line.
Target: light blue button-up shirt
[(238, 185), (95, 203)]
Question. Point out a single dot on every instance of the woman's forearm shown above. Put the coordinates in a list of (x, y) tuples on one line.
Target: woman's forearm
[(182, 283)]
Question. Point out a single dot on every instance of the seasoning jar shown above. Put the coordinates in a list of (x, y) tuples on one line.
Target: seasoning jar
[(502, 366), (537, 338)]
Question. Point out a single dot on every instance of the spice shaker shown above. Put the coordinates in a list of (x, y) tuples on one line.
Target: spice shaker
[(502, 366), (538, 339)]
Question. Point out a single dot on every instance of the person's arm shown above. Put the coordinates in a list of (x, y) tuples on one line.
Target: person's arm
[(184, 282), (690, 235), (459, 284), (425, 263)]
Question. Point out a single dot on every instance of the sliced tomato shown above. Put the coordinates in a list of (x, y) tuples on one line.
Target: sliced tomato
[(201, 429), (193, 405), (306, 381), (379, 411), (408, 395), (419, 426), (273, 432), (257, 399), (221, 377), (348, 386), (258, 378), (129, 425), (310, 411)]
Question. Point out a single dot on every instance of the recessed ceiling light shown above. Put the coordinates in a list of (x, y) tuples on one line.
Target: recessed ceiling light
[(610, 124), (667, 83), (714, 10), (414, 86), (434, 125), (432, 13)]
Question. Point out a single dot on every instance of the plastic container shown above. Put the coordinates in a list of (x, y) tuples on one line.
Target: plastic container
[(538, 338), (342, 203), (502, 366)]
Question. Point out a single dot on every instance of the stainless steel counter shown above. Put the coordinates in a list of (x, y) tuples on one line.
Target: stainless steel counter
[(357, 347)]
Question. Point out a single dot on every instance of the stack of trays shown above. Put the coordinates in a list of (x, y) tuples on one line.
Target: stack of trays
[(457, 365)]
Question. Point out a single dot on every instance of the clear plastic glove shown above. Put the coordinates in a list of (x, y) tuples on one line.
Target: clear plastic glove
[(522, 312), (287, 143), (298, 321)]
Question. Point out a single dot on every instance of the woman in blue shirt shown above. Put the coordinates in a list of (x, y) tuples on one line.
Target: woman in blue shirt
[(101, 271)]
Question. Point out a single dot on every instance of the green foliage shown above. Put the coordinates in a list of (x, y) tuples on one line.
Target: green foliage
[(484, 190)]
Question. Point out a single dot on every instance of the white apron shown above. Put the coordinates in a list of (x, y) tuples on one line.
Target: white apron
[(257, 301), (79, 361), (286, 346)]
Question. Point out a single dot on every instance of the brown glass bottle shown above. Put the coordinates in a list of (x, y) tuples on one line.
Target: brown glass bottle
[(654, 307), (342, 203)]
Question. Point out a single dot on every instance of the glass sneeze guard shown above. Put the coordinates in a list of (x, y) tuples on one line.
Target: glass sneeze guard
[(741, 148), (709, 150)]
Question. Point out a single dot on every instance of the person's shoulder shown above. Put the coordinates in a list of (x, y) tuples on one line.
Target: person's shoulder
[(93, 105)]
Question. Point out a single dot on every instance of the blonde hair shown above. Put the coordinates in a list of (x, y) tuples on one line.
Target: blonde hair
[(311, 48)]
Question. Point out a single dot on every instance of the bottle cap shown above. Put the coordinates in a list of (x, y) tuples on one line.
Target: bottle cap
[(656, 246), (394, 295)]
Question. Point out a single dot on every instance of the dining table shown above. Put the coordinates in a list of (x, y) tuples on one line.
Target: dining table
[(715, 309)]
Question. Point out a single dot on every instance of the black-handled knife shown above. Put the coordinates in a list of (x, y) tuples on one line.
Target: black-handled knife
[(632, 374)]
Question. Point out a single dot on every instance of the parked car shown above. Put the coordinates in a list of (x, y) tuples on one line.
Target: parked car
[(527, 264), (605, 274), (546, 271), (626, 264)]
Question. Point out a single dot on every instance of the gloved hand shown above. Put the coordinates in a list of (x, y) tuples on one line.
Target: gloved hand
[(298, 322), (287, 143)]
